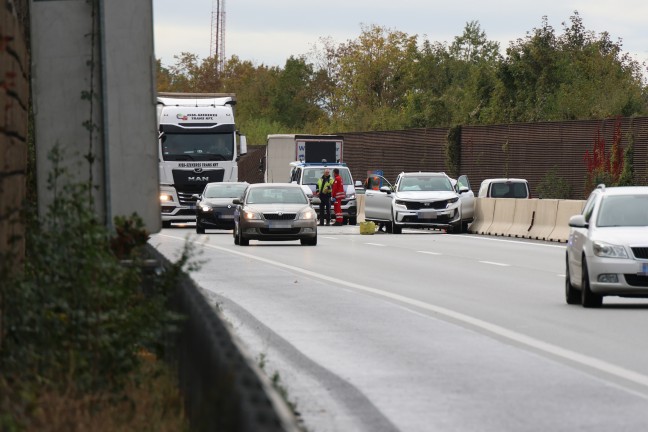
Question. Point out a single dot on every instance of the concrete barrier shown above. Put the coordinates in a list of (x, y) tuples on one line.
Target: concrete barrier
[(566, 209), (484, 211), (544, 220), (522, 218), (502, 216)]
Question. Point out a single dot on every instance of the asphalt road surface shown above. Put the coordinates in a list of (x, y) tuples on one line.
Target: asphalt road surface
[(427, 331)]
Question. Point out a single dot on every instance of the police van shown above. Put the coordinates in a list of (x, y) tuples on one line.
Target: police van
[(307, 175)]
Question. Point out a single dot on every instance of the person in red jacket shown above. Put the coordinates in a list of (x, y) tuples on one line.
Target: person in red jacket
[(338, 194)]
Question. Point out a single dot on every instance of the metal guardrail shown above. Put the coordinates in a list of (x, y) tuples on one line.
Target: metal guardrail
[(223, 388)]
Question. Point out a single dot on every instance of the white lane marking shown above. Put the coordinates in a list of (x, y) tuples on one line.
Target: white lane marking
[(429, 253), (375, 244), (555, 350), (519, 241), (562, 275), (330, 238), (495, 263)]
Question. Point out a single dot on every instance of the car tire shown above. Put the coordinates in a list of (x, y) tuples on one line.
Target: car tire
[(242, 241), (396, 229), (353, 221), (588, 298), (455, 229), (572, 295), (166, 224), (235, 235), (200, 229), (309, 241)]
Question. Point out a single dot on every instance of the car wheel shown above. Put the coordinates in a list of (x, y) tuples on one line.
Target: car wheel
[(235, 235), (395, 229), (572, 296), (242, 240), (588, 298), (455, 229), (353, 221), (199, 229), (166, 224), (309, 241)]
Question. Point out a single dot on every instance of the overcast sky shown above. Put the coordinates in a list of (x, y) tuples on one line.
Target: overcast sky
[(270, 31)]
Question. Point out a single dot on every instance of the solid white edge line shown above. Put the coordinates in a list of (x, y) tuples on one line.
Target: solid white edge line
[(557, 351), (429, 252)]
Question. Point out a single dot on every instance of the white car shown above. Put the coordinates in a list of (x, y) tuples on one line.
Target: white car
[(422, 200), (607, 250), (504, 188)]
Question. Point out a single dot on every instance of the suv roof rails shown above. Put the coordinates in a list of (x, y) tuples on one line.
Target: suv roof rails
[(601, 186)]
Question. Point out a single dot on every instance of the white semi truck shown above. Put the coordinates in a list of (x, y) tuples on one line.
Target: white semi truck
[(198, 144)]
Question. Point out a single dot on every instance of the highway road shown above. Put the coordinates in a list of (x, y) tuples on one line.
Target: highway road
[(427, 331)]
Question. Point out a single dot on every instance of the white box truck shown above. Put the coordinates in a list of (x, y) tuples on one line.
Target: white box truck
[(198, 144)]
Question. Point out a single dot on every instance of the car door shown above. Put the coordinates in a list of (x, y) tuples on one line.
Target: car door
[(467, 198), (378, 202), (577, 239)]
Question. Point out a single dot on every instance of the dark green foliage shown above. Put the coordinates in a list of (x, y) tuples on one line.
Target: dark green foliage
[(627, 174), (553, 186), (77, 312)]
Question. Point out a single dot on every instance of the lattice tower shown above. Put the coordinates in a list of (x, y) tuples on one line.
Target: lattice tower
[(217, 42)]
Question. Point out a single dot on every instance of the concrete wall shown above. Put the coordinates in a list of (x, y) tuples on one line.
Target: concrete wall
[(94, 93)]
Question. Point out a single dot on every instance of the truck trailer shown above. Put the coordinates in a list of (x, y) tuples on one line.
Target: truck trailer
[(282, 149), (198, 144)]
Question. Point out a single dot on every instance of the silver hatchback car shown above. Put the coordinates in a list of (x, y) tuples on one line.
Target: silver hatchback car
[(607, 250), (275, 211)]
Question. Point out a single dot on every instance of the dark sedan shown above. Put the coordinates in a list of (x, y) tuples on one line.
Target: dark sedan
[(215, 207)]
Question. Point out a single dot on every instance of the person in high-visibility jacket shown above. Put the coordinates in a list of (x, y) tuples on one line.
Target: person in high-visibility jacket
[(338, 195), (324, 187)]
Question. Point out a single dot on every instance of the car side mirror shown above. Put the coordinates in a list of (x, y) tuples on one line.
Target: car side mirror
[(237, 201), (578, 221), (463, 189), (385, 189)]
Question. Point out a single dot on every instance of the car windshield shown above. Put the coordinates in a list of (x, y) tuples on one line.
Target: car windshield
[(425, 183), (278, 195), (311, 175), (623, 210), (225, 190), (198, 146)]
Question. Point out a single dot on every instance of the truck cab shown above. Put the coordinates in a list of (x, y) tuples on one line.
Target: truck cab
[(307, 175)]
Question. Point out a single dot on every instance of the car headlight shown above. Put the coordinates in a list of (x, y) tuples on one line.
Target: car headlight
[(166, 197), (249, 215), (205, 208), (400, 203), (451, 201), (350, 197), (607, 250), (307, 214)]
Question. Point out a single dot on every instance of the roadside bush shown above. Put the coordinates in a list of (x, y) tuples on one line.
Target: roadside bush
[(553, 186), (77, 321)]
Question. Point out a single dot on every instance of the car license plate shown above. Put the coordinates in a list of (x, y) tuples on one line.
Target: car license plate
[(427, 215), (227, 216), (279, 224), (192, 206), (644, 269)]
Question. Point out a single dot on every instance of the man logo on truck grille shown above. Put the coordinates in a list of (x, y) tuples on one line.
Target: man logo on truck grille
[(198, 178)]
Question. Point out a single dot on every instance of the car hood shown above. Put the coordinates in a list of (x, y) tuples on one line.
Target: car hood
[(274, 208), (217, 201), (635, 236), (425, 195)]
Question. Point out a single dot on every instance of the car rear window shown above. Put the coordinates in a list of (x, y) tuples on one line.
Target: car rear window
[(509, 190)]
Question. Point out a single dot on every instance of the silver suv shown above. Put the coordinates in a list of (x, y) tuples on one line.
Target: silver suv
[(423, 200), (607, 250), (307, 174)]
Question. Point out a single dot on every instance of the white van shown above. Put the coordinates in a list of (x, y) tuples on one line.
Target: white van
[(504, 188)]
